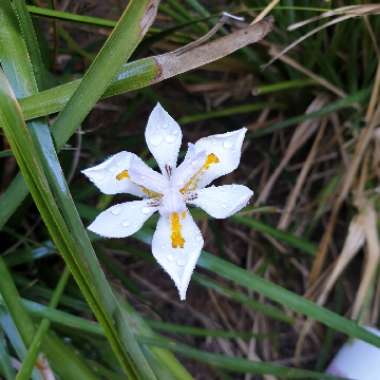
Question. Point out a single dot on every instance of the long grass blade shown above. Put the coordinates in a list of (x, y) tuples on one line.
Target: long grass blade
[(5, 360), (52, 346), (145, 72), (236, 364), (126, 35), (294, 241), (82, 263), (276, 293), (45, 161), (30, 38), (286, 298), (30, 359)]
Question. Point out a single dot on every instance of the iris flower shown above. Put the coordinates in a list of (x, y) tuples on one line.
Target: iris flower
[(177, 241)]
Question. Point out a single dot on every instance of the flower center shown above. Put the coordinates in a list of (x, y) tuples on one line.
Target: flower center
[(176, 236), (211, 159)]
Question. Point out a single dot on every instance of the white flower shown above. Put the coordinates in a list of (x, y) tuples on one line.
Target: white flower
[(177, 241)]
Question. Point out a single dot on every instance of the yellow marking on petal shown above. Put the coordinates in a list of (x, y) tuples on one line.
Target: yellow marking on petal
[(122, 175), (183, 214), (177, 239), (151, 194), (211, 159)]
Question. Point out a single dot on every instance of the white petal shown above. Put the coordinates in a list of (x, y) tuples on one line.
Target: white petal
[(141, 174), (222, 201), (163, 136), (104, 175), (357, 360), (227, 147), (179, 263), (188, 167), (123, 219)]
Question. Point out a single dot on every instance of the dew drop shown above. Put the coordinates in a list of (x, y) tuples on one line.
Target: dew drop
[(170, 139), (125, 223), (145, 210), (170, 257), (116, 210), (156, 140), (224, 206), (164, 126), (227, 144), (198, 238)]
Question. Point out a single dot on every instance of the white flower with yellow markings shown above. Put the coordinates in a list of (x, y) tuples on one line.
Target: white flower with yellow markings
[(177, 241)]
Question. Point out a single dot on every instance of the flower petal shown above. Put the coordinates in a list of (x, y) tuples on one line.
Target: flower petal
[(141, 174), (123, 219), (104, 175), (227, 148), (163, 136), (179, 263), (222, 201), (188, 168)]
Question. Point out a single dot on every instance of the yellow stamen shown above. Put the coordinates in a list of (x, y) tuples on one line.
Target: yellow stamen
[(211, 159), (183, 214), (122, 175), (177, 239)]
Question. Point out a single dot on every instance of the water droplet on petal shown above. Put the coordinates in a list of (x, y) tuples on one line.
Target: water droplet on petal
[(227, 144), (170, 257), (125, 223), (116, 210), (170, 139), (145, 210), (156, 140), (164, 126), (224, 205), (198, 238)]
